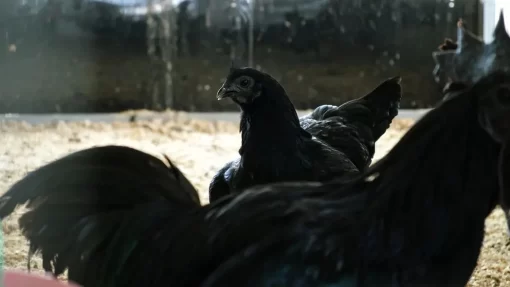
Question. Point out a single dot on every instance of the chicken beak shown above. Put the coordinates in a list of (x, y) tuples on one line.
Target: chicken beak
[(226, 92)]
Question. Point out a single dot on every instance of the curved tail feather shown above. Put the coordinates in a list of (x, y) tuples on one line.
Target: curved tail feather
[(356, 125), (89, 210), (382, 105)]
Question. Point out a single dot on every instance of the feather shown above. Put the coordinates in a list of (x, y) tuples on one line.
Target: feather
[(278, 146), (81, 203), (126, 219)]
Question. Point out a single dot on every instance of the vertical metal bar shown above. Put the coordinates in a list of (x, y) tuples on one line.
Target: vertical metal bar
[(168, 46), (489, 19), (250, 31), (480, 17), (151, 52)]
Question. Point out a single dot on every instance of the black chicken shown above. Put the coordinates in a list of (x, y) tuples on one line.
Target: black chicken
[(115, 216), (460, 62), (463, 60), (278, 146)]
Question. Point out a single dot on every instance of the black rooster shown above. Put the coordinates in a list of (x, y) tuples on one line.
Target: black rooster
[(115, 216), (470, 58), (460, 62), (278, 146)]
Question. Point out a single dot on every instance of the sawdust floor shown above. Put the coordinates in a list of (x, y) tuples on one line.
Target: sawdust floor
[(199, 148)]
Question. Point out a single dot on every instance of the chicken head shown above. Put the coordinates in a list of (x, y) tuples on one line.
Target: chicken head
[(470, 59)]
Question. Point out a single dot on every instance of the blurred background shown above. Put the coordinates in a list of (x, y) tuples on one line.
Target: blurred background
[(90, 56)]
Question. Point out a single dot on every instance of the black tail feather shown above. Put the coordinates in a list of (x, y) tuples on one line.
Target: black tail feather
[(85, 208), (383, 103), (355, 126)]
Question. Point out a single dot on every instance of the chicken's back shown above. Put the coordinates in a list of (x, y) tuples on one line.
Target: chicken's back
[(355, 126)]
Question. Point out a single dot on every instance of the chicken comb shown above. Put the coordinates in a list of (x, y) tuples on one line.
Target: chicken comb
[(470, 59)]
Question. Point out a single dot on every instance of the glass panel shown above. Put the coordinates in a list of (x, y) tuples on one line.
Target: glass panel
[(112, 55)]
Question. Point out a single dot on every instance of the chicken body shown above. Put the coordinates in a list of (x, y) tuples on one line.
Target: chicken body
[(463, 62), (277, 146), (115, 216)]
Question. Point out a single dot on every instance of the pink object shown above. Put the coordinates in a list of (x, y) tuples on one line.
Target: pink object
[(23, 279)]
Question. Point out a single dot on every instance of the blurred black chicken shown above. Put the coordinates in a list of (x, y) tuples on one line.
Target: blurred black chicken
[(114, 216), (459, 63), (331, 142)]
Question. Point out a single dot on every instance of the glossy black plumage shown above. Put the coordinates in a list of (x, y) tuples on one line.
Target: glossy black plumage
[(91, 193), (415, 218), (331, 142), (463, 62)]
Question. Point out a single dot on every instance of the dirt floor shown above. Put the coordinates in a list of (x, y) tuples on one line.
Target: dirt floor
[(199, 149)]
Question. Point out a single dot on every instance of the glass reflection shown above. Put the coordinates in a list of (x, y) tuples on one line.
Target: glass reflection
[(111, 55)]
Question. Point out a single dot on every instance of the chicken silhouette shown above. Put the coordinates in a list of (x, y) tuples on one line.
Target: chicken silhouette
[(463, 62), (331, 142)]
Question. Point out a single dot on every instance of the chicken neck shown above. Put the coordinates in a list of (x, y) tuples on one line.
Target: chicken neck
[(429, 197), (270, 129)]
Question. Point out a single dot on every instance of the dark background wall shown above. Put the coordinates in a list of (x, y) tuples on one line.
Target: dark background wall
[(106, 56)]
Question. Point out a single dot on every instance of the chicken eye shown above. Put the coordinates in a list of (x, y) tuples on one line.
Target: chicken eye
[(244, 83)]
